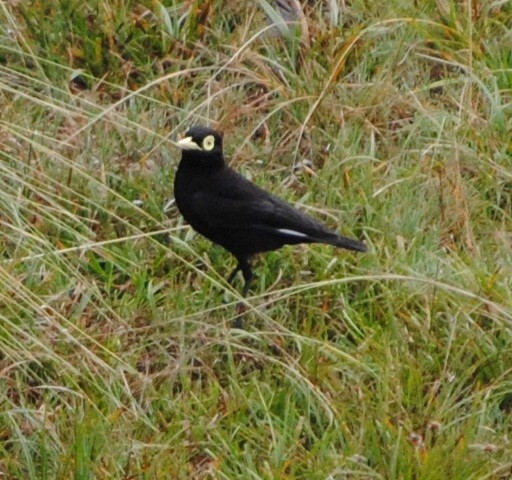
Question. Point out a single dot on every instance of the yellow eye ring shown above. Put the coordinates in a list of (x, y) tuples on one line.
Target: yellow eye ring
[(208, 143)]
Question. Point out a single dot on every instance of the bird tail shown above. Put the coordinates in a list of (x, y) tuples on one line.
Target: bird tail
[(344, 242)]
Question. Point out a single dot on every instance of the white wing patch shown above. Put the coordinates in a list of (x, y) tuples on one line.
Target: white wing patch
[(292, 233)]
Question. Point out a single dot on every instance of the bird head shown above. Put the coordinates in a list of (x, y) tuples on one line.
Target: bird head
[(201, 144)]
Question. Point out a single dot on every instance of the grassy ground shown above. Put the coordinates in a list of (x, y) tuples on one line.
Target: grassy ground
[(117, 358)]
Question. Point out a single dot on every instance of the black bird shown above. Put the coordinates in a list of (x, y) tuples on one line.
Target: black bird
[(235, 213)]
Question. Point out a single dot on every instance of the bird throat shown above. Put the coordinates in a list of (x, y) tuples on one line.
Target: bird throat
[(197, 160)]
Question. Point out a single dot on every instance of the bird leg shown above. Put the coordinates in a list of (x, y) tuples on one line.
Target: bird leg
[(232, 275), (245, 266)]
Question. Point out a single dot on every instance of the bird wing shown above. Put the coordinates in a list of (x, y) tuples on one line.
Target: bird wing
[(241, 216), (247, 206)]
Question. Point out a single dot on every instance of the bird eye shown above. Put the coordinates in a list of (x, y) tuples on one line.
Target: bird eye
[(208, 143)]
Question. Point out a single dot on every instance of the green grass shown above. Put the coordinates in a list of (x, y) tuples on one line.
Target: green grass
[(117, 355)]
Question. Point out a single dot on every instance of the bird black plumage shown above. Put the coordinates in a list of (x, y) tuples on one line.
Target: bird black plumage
[(235, 213)]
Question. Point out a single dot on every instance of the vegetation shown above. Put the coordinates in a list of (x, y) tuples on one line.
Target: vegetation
[(117, 355)]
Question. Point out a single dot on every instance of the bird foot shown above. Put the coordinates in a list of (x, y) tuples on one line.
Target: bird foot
[(241, 308)]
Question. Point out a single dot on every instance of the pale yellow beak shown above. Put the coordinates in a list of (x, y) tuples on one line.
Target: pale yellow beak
[(188, 144)]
